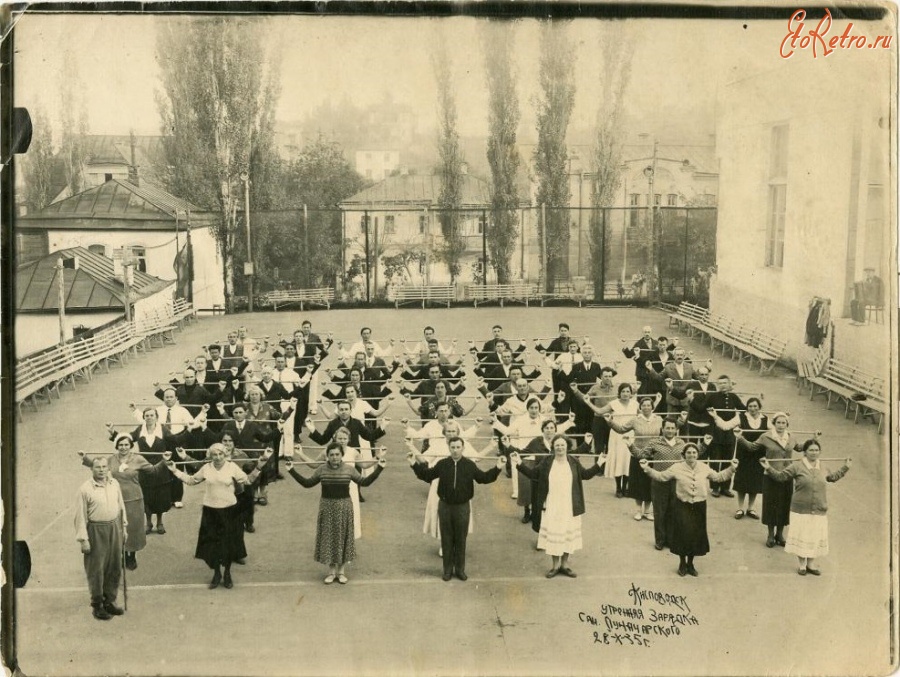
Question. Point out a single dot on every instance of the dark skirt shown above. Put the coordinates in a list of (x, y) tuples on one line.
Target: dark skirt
[(689, 536), (221, 537), (157, 497), (638, 482), (335, 543), (748, 478), (776, 496)]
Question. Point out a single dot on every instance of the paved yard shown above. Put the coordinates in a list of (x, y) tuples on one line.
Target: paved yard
[(747, 613)]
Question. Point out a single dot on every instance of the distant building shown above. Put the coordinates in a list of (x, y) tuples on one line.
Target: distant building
[(375, 164), (402, 218), (147, 221), (93, 295), (805, 199)]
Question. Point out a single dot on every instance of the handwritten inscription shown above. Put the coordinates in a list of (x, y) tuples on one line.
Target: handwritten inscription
[(652, 615)]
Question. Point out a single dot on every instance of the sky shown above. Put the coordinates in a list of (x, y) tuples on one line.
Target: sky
[(678, 68)]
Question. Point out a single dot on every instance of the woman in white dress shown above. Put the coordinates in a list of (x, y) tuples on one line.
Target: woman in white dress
[(352, 457), (623, 409), (561, 499), (438, 449)]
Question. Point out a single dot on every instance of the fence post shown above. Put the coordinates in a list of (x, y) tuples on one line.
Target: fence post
[(484, 248), (306, 245), (602, 295), (366, 231), (544, 271), (687, 216)]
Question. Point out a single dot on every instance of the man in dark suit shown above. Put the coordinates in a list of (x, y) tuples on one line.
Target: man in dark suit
[(358, 430), (699, 421), (727, 406), (583, 376), (642, 350), (232, 351), (191, 395), (677, 376)]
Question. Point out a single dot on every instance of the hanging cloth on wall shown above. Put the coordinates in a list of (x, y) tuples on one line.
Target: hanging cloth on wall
[(817, 321)]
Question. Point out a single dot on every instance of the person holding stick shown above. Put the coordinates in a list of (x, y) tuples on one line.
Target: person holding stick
[(455, 476), (809, 505), (776, 445), (438, 448), (560, 497), (220, 540), (748, 480), (100, 519), (127, 467), (335, 542), (689, 537)]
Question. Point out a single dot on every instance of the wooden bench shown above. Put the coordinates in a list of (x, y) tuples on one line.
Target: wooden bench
[(183, 312), (857, 389), (813, 367), (765, 349), (322, 296), (522, 292), (157, 324), (690, 317), (719, 330), (438, 293)]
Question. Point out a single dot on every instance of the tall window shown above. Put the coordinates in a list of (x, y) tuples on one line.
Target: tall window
[(672, 200), (657, 200), (389, 224), (778, 169), (634, 201), (423, 224)]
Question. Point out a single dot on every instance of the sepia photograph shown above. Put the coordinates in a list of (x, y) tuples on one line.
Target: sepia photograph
[(477, 339)]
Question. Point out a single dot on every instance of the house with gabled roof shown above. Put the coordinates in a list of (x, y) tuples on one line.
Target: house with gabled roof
[(93, 296), (168, 237)]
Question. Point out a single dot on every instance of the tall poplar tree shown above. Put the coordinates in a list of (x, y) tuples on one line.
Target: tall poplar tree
[(220, 89), (554, 108), (502, 153)]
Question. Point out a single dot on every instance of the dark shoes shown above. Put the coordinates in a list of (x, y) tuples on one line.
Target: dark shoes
[(447, 576), (249, 528), (691, 570), (682, 570), (242, 561), (779, 540), (227, 582), (813, 572), (216, 579), (526, 518), (566, 571), (727, 492), (770, 542), (262, 500), (113, 610), (659, 547), (461, 575), (130, 561), (552, 573), (149, 529), (715, 493), (361, 499), (160, 529), (101, 614)]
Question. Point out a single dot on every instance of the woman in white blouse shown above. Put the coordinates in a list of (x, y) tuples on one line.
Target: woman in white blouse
[(221, 538)]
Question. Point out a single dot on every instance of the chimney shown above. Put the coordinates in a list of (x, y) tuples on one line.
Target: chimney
[(133, 176)]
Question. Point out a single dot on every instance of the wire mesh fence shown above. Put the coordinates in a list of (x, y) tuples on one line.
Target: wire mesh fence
[(602, 254)]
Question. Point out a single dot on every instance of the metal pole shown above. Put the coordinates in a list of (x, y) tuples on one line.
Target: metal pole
[(246, 179), (580, 223), (522, 243), (544, 246), (306, 245), (655, 282), (61, 300), (602, 257), (375, 257), (190, 265), (366, 230), (484, 247), (687, 216)]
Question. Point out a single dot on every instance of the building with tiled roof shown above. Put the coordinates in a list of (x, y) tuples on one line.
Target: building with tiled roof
[(147, 222), (93, 295)]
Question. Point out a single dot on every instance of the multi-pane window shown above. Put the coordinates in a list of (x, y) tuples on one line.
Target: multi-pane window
[(423, 224), (778, 169), (672, 200)]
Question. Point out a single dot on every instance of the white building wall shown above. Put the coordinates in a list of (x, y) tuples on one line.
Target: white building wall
[(38, 331), (161, 248), (829, 124)]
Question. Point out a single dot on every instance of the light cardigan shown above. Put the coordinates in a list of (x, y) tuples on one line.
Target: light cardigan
[(810, 496), (691, 485)]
